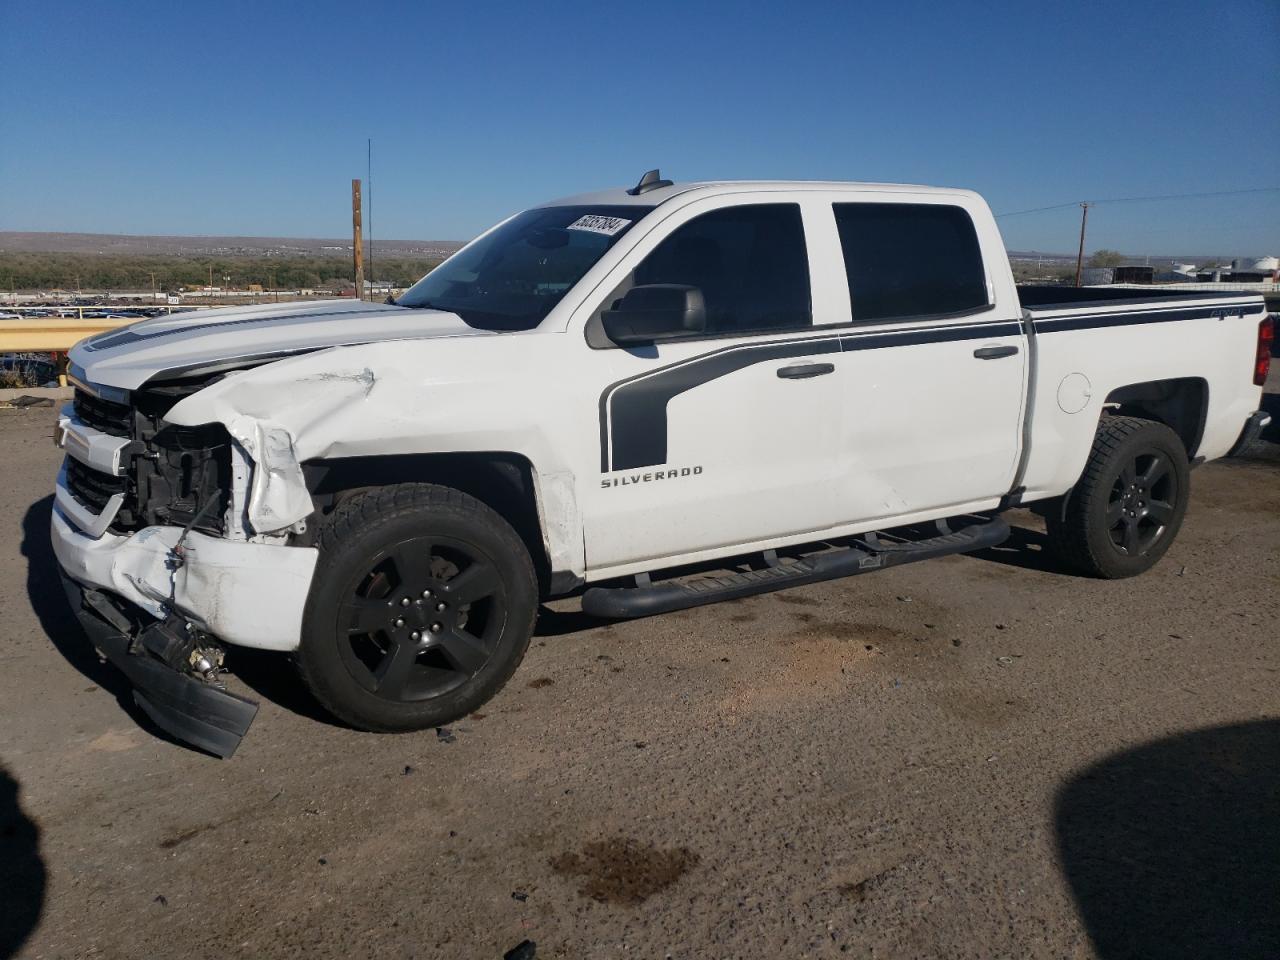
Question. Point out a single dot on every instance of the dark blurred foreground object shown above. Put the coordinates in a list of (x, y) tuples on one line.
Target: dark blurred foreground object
[(22, 873), (1172, 850)]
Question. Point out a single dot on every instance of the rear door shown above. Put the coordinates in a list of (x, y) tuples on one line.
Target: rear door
[(724, 438), (934, 360)]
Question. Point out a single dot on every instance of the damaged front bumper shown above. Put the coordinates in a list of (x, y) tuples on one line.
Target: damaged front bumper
[(192, 710), (246, 593), (120, 587)]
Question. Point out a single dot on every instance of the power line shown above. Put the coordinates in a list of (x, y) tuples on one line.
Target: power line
[(1167, 196)]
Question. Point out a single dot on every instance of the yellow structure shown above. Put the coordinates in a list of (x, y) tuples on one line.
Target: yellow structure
[(52, 334)]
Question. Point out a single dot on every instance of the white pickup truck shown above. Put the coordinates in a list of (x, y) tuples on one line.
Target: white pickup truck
[(655, 397)]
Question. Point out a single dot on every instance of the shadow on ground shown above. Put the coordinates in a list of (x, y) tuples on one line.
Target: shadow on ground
[(1172, 850), (271, 675), (22, 870), (558, 623), (1028, 549), (49, 603), (44, 590)]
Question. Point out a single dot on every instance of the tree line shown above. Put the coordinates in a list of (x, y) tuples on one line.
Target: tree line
[(71, 271)]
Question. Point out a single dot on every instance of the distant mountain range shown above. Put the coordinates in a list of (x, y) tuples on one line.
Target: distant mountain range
[(116, 244), (119, 244)]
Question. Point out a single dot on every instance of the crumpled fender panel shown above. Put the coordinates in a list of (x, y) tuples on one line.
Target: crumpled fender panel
[(446, 395), (278, 492)]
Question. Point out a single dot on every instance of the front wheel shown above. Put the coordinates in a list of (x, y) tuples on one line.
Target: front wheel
[(1128, 505), (421, 608)]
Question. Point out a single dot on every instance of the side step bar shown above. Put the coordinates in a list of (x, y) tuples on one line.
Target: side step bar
[(874, 554)]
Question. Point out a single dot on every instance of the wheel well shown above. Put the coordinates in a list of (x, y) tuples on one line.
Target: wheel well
[(1180, 404), (501, 481)]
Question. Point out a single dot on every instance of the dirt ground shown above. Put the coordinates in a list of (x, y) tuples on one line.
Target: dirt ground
[(980, 756)]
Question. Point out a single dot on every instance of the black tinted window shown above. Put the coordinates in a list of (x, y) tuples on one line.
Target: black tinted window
[(906, 260), (749, 262)]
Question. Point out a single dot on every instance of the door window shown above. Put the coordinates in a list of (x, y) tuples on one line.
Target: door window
[(749, 262), (910, 260)]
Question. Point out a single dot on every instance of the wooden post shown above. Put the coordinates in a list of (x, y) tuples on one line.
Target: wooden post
[(1084, 218), (357, 241)]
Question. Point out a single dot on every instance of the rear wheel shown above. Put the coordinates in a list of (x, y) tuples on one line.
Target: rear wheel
[(1128, 505), (421, 608)]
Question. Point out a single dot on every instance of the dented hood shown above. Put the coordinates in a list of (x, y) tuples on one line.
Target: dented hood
[(166, 346)]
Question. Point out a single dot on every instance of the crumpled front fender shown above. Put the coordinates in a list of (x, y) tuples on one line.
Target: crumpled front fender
[(255, 410), (453, 395), (278, 496)]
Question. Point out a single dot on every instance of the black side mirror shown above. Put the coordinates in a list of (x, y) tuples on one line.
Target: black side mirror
[(656, 311)]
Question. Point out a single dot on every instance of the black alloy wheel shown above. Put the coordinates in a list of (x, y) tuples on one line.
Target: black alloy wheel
[(1141, 506), (421, 607), (422, 619), (1125, 510)]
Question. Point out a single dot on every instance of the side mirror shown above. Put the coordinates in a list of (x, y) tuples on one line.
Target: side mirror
[(655, 311)]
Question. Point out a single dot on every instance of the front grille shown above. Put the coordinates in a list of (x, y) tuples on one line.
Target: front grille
[(105, 415), (172, 471), (91, 488)]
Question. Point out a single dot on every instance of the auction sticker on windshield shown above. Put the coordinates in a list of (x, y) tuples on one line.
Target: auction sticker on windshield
[(598, 224)]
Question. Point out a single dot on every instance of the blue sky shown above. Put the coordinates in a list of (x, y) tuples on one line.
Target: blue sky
[(251, 118)]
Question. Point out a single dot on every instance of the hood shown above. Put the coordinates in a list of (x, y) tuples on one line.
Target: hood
[(168, 346)]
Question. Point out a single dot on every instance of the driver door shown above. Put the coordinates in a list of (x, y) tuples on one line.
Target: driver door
[(722, 438)]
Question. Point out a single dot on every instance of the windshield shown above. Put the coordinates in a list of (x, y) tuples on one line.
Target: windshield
[(512, 278)]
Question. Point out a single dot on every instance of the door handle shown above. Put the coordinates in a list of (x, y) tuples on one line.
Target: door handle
[(994, 353), (802, 371)]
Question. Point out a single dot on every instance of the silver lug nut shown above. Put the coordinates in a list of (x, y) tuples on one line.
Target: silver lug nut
[(415, 635), (399, 621), (442, 606), (404, 602), (426, 593), (436, 628)]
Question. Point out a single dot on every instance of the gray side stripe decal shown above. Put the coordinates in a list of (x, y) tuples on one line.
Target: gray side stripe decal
[(640, 407), (1129, 318), (633, 412)]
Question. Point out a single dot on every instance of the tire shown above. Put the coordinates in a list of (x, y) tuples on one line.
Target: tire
[(420, 610), (1124, 512)]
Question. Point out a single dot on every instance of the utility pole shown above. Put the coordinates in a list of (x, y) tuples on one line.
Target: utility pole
[(373, 274), (357, 242), (1084, 218)]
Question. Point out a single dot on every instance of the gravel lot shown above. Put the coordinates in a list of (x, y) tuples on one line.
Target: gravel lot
[(975, 757)]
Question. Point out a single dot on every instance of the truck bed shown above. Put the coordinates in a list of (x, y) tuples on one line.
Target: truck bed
[(1184, 358), (1055, 309), (1052, 298)]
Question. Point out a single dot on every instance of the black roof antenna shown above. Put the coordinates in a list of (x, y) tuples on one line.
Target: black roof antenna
[(650, 181)]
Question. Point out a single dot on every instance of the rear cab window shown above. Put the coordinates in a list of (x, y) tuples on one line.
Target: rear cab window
[(910, 260)]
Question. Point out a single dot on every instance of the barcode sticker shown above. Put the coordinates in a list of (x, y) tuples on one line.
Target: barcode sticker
[(597, 224)]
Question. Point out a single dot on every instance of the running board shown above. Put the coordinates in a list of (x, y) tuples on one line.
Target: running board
[(647, 599)]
